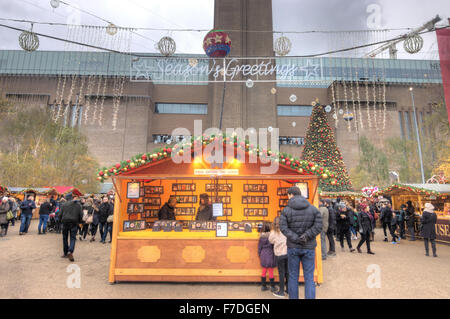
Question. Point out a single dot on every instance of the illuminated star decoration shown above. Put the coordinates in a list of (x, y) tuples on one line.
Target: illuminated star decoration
[(208, 41), (218, 38), (311, 70), (141, 70)]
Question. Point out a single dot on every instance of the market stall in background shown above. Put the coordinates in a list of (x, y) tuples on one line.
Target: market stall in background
[(419, 194), (186, 250), (352, 198)]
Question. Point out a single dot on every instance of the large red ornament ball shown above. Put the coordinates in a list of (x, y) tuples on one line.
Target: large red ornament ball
[(217, 44)]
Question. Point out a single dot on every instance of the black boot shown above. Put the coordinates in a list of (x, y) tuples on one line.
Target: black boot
[(272, 285), (263, 284)]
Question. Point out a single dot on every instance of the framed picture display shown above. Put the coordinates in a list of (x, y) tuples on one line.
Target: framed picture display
[(221, 187), (177, 187), (183, 199), (153, 201), (255, 199), (133, 190), (282, 191), (135, 208), (217, 209), (220, 199), (149, 213), (261, 188), (184, 211), (154, 189), (221, 229), (256, 212), (303, 189), (202, 225), (227, 212), (132, 225), (283, 202)]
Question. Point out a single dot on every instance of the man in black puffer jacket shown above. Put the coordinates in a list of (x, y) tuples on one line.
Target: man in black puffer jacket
[(300, 222), (331, 227), (71, 216)]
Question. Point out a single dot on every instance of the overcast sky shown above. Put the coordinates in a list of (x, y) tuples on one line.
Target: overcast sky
[(288, 15)]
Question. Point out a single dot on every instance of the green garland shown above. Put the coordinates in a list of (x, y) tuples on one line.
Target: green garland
[(302, 167)]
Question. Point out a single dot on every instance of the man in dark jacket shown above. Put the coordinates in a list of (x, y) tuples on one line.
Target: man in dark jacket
[(104, 211), (44, 212), (26, 214), (386, 219), (343, 219), (71, 216), (167, 212), (331, 227), (410, 222), (300, 222)]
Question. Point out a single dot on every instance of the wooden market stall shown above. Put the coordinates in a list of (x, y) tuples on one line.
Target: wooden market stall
[(39, 195), (193, 252), (353, 198), (419, 194)]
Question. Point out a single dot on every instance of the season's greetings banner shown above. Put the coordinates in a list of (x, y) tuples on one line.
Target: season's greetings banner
[(443, 37)]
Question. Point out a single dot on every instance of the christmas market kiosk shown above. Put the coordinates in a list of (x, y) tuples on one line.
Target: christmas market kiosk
[(186, 250), (419, 194)]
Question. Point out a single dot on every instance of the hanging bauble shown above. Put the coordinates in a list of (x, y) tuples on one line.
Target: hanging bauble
[(293, 98), (413, 44), (335, 116), (341, 111), (294, 124), (282, 46), (193, 62), (328, 108), (54, 3), (166, 46), (28, 40), (249, 83), (217, 44), (270, 128), (273, 91), (348, 116), (111, 29)]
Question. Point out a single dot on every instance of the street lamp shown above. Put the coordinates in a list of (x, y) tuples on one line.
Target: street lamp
[(417, 135)]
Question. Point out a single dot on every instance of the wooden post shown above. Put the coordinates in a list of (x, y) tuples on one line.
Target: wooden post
[(115, 232)]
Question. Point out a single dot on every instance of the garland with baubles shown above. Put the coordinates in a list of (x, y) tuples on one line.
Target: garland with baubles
[(301, 166)]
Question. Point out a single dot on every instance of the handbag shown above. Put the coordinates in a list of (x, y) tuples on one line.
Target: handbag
[(85, 215), (110, 219), (9, 215), (90, 219)]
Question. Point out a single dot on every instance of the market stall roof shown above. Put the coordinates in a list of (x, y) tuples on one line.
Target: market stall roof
[(419, 189), (39, 190), (63, 190), (341, 194)]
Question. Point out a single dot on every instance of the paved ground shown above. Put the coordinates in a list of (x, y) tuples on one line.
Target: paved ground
[(31, 267)]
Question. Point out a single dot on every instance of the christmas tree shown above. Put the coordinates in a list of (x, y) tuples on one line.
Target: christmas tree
[(321, 148)]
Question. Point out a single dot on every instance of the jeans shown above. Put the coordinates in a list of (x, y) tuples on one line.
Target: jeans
[(94, 228), (283, 271), (25, 220), (353, 230), (412, 232), (103, 230), (43, 222), (386, 225), (365, 237), (433, 245), (307, 258), (330, 234), (392, 229), (72, 230), (346, 234), (323, 244), (401, 226), (110, 231)]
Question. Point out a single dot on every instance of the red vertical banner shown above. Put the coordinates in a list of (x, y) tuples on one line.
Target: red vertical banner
[(443, 38)]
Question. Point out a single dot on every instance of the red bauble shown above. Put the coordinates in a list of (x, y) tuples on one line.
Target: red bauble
[(217, 44), (117, 166)]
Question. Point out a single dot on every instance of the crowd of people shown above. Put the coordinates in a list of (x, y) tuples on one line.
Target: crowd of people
[(291, 238), (70, 215)]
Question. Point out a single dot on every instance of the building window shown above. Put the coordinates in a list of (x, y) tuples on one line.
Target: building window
[(292, 140), (294, 110), (173, 108), (163, 138)]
